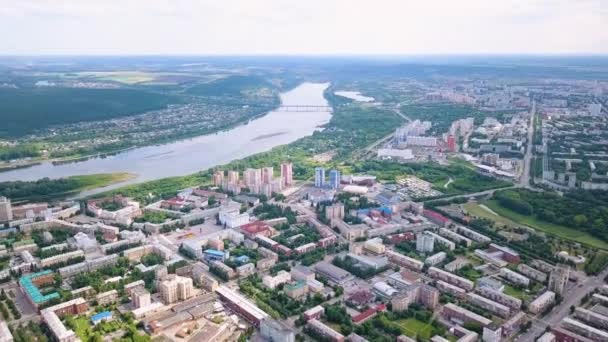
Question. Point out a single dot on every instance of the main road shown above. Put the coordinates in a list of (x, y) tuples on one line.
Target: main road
[(524, 180), (571, 297)]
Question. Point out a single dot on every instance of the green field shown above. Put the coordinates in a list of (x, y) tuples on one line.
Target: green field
[(229, 86), (550, 228), (82, 327), (413, 327), (126, 77)]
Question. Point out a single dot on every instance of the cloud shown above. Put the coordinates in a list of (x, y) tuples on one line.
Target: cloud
[(302, 27)]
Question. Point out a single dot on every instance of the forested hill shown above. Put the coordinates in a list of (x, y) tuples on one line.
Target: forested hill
[(26, 110)]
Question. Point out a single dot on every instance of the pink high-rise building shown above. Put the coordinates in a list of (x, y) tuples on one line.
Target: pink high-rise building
[(287, 174), (253, 179), (451, 143), (267, 174), (233, 177)]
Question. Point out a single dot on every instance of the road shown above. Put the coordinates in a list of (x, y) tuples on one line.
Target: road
[(524, 180), (370, 149), (571, 297), (474, 194), (398, 112)]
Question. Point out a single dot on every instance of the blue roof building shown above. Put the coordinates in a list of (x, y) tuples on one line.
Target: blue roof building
[(102, 316), (32, 291), (7, 231), (213, 254), (387, 198), (243, 259)]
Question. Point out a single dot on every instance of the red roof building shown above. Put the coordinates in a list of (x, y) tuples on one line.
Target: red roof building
[(396, 238), (436, 218), (369, 313), (250, 230)]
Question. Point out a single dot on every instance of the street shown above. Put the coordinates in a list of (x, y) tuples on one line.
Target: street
[(525, 174)]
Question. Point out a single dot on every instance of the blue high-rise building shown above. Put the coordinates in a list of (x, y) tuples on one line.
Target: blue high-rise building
[(319, 177), (334, 178)]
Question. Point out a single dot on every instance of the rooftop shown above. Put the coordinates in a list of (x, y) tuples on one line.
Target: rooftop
[(33, 291)]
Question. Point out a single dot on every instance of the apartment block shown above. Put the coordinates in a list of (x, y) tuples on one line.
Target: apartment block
[(450, 278), (542, 302), (175, 288), (514, 277), (488, 305)]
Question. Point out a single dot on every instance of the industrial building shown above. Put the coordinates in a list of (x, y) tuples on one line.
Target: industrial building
[(332, 273)]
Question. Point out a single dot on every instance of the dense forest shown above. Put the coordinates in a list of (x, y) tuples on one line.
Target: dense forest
[(25, 110), (19, 151), (46, 189), (583, 210), (37, 189)]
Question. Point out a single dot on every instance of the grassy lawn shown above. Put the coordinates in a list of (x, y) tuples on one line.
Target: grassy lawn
[(561, 231), (472, 274), (511, 291), (475, 209), (413, 327), (83, 328), (522, 294)]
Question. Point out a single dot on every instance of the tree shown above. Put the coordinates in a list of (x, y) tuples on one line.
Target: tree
[(580, 221)]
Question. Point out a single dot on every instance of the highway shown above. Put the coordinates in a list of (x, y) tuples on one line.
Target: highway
[(571, 297), (524, 180)]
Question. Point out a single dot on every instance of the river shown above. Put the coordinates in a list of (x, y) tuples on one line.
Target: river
[(189, 156)]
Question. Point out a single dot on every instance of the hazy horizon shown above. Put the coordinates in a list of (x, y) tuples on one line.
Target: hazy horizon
[(311, 28)]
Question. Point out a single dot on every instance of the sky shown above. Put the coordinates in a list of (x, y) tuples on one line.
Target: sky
[(302, 27)]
